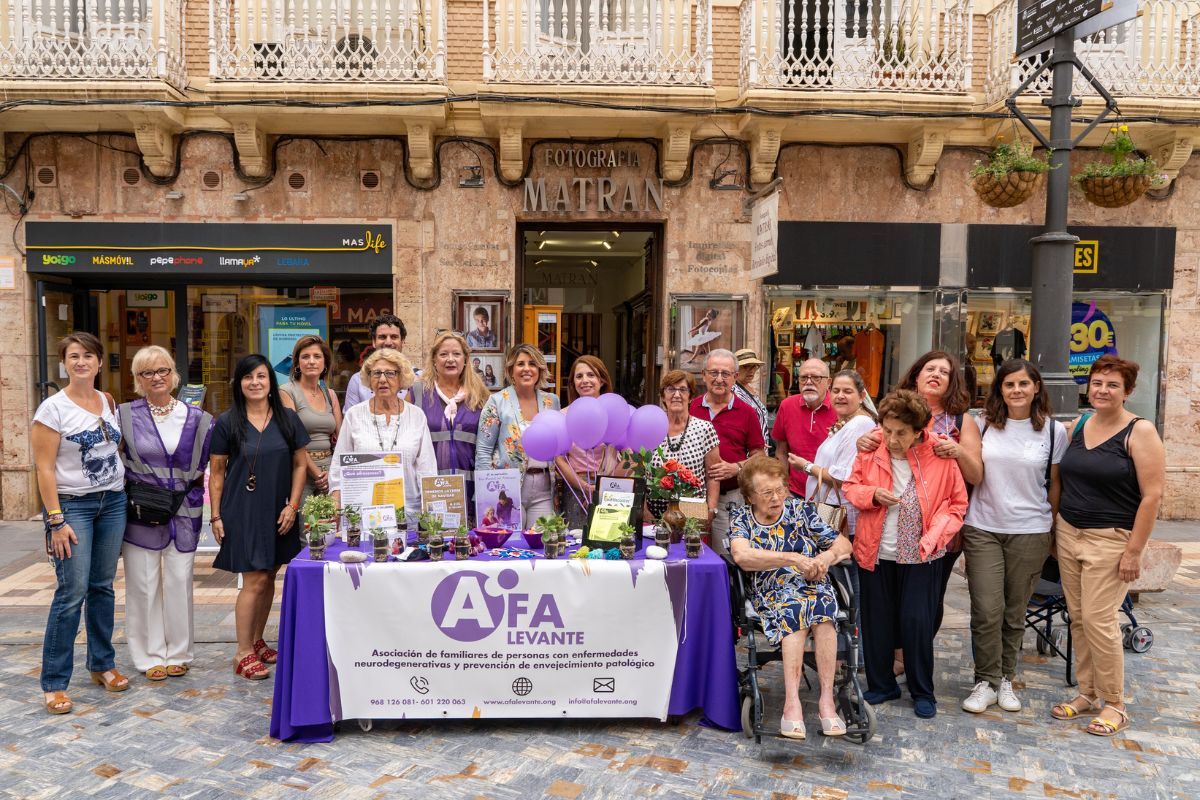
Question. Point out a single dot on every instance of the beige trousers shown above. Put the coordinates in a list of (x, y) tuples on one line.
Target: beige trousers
[(158, 605), (1088, 559)]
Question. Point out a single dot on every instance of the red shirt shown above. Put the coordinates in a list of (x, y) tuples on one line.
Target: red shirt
[(802, 429), (737, 428)]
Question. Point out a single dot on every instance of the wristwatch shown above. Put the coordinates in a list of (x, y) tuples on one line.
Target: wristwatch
[(809, 468)]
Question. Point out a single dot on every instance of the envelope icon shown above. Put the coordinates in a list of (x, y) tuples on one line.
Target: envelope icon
[(604, 685)]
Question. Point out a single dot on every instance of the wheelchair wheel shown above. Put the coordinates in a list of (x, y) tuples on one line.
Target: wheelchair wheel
[(859, 717), (1042, 647), (1126, 630), (1141, 639)]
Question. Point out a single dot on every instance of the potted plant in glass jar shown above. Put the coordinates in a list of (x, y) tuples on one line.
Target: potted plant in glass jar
[(1121, 180), (553, 529), (428, 525), (316, 532), (320, 508), (1011, 174), (379, 544), (627, 545), (691, 537), (353, 521)]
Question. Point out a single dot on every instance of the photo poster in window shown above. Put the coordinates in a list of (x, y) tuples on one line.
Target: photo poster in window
[(990, 323), (482, 318), (446, 496), (490, 370), (280, 327), (616, 485), (704, 324), (498, 499)]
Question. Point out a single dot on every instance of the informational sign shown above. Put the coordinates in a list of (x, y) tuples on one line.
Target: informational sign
[(1039, 20), (1092, 336), (498, 498), (146, 298), (382, 516), (193, 394), (445, 495), (8, 273), (570, 639), (372, 479), (279, 328), (219, 303), (764, 249), (1116, 12)]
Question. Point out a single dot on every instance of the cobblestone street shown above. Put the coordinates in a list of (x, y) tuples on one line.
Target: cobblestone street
[(206, 735)]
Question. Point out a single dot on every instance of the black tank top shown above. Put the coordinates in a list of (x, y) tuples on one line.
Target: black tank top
[(1099, 486)]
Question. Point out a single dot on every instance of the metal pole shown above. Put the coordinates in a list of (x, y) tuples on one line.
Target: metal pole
[(1053, 251)]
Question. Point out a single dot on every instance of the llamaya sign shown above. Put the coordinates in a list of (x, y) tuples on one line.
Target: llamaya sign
[(1039, 20)]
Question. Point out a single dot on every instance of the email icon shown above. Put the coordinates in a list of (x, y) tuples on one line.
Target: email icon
[(604, 685)]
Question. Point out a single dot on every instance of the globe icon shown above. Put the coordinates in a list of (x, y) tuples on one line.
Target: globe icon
[(522, 686)]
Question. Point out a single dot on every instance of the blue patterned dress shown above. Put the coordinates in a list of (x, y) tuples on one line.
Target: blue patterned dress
[(783, 598)]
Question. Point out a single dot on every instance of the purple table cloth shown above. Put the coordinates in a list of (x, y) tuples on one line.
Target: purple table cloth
[(705, 670)]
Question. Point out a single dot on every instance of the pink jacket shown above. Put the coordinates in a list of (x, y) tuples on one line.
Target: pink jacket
[(941, 491)]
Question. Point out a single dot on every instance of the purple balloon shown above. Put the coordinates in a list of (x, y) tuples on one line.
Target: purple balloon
[(557, 423), (647, 428), (586, 422), (617, 412), (540, 441)]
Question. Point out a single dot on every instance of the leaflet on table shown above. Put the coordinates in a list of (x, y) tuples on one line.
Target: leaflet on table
[(445, 496), (382, 516), (498, 498), (373, 479), (606, 522)]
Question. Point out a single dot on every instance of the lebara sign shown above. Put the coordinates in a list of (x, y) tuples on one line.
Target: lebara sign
[(190, 249)]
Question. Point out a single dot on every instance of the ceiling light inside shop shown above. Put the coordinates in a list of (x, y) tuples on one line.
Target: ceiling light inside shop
[(541, 244), (607, 246), (616, 234)]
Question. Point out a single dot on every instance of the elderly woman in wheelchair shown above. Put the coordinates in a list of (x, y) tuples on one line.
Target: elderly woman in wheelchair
[(788, 549)]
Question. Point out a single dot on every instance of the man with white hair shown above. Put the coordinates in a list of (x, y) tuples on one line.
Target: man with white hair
[(803, 421), (738, 431)]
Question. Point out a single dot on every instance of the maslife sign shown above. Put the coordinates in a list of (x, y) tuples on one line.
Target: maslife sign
[(571, 638), (199, 248)]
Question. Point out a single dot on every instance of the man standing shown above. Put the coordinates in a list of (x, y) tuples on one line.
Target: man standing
[(748, 364), (738, 431), (387, 330), (803, 421)]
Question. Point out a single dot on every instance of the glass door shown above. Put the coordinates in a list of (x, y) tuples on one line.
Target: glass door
[(56, 310)]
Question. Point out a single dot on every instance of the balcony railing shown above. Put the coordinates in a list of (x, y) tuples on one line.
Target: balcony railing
[(400, 41), (865, 45), (1155, 55), (631, 42), (105, 40)]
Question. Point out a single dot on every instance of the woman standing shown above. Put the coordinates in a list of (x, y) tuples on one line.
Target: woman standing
[(1112, 480), (505, 417), (387, 424), (164, 443), (1006, 535), (257, 476), (691, 441), (911, 504), (579, 468), (82, 486), (452, 396), (317, 408)]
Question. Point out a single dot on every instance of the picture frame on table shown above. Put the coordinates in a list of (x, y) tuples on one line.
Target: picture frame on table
[(990, 323), (702, 323), (482, 317)]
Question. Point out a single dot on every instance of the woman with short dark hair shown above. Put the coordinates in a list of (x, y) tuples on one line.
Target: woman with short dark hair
[(316, 406)]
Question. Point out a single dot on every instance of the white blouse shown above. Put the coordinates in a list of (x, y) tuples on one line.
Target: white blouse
[(407, 434)]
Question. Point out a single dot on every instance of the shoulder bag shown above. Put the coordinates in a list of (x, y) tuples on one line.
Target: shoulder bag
[(147, 504), (833, 515)]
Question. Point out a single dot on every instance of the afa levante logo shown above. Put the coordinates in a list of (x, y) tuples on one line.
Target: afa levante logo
[(470, 606)]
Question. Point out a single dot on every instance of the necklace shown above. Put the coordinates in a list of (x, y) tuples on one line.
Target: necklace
[(161, 413), (379, 431), (252, 479), (675, 447)]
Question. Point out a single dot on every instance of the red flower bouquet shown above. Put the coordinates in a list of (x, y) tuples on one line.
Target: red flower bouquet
[(670, 481)]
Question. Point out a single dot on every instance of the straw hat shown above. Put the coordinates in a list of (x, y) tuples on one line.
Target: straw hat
[(747, 357)]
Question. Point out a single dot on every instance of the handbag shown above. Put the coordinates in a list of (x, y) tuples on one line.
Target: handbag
[(833, 515), (151, 505)]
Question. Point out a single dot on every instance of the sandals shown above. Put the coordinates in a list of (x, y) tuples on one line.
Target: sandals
[(264, 653), (116, 683), (59, 703), (157, 673), (177, 670), (1099, 726), (833, 726), (1069, 711), (251, 668), (792, 728)]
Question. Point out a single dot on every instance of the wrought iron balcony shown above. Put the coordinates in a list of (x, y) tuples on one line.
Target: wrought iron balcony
[(1155, 55), (344, 41), (106, 40), (600, 42), (856, 45)]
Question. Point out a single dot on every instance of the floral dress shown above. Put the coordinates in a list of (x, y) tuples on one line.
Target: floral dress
[(783, 598)]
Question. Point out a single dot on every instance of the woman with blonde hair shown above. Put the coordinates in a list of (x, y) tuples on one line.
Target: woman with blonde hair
[(505, 417), (452, 395), (316, 406), (387, 424), (164, 444), (580, 468)]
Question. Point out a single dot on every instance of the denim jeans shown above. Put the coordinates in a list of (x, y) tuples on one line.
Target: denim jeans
[(98, 520)]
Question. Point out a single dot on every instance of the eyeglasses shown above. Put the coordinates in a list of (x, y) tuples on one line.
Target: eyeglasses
[(390, 374), (813, 378), (771, 494), (161, 372), (719, 373), (675, 390)]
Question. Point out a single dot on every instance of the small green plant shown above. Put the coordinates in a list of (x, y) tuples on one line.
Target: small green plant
[(625, 529), (1007, 158), (430, 522), (378, 535), (353, 516), (1119, 147), (320, 506), (553, 523), (691, 525), (317, 531)]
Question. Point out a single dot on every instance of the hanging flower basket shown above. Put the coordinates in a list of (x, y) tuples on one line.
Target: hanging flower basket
[(1006, 191), (1114, 192)]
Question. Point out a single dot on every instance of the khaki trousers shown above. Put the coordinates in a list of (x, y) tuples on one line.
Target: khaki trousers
[(1088, 559), (719, 541), (1001, 571)]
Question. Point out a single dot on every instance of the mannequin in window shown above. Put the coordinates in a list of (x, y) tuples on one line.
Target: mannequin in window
[(1008, 344)]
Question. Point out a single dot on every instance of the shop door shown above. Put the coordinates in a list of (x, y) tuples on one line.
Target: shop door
[(126, 320), (57, 309)]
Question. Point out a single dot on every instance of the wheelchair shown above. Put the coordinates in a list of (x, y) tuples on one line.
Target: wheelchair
[(848, 691), (1048, 602)]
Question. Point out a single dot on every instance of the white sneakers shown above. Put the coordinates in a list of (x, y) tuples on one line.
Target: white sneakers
[(983, 696)]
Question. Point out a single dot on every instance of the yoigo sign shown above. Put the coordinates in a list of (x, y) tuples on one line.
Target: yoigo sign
[(470, 606), (146, 298)]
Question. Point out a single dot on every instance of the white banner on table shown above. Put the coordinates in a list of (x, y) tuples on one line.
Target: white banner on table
[(522, 638)]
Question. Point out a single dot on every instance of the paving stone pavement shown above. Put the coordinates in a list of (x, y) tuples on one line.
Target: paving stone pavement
[(206, 735)]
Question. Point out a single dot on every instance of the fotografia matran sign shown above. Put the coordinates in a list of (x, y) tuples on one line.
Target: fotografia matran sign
[(1039, 20)]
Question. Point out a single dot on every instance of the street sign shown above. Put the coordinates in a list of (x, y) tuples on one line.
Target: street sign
[(1118, 12), (764, 246), (1039, 20)]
